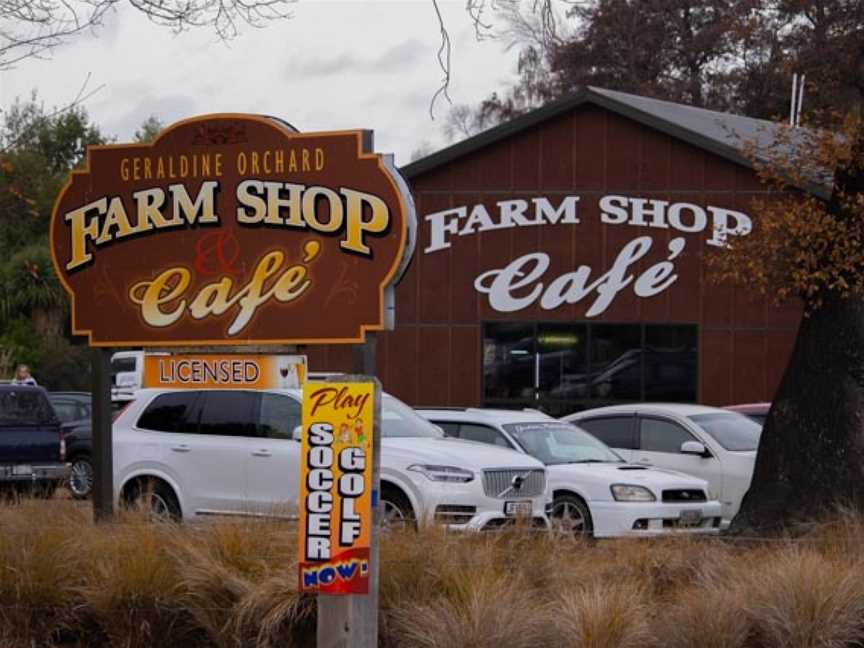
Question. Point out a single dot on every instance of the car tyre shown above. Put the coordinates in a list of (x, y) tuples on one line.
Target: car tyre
[(571, 516), (81, 477), (396, 511), (156, 497)]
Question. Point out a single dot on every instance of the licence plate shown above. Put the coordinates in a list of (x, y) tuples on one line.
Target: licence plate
[(518, 507), (691, 518)]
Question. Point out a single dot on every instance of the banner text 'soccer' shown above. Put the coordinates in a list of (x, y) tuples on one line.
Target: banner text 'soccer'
[(336, 487)]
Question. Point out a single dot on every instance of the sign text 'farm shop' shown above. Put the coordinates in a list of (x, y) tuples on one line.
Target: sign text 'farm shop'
[(336, 487), (522, 283), (225, 230)]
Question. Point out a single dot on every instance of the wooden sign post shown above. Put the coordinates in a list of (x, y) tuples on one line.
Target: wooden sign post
[(103, 457)]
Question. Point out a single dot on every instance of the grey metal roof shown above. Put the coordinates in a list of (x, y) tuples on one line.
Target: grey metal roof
[(723, 134)]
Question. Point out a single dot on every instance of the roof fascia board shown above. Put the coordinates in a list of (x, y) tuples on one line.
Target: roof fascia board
[(554, 109), (494, 134)]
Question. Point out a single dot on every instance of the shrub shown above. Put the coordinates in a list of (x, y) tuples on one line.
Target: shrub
[(601, 615), (482, 612), (801, 598)]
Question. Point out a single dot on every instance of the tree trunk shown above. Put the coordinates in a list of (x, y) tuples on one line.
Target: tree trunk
[(811, 455), (47, 322)]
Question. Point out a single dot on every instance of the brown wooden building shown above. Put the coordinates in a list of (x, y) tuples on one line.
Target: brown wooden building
[(559, 264)]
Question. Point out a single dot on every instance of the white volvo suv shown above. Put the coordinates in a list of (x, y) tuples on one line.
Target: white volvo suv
[(234, 452), (595, 491)]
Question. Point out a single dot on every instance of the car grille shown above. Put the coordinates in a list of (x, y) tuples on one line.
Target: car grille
[(499, 483), (454, 513), (684, 495)]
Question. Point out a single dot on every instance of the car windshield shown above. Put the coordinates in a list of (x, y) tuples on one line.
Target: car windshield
[(560, 443), (733, 431), (25, 407), (399, 420)]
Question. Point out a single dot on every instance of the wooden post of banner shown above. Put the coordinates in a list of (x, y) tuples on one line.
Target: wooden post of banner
[(103, 462), (352, 621)]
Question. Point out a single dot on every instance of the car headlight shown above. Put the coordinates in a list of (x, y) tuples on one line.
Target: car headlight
[(632, 493), (443, 473)]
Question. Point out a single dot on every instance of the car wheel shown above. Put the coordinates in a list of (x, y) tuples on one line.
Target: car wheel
[(570, 515), (81, 477), (396, 511), (155, 497)]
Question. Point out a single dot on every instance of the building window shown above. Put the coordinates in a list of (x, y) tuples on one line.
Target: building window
[(563, 367)]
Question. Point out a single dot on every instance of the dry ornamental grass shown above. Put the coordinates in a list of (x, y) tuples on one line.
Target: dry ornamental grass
[(232, 584)]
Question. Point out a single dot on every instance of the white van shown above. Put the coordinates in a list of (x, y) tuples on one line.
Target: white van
[(127, 374)]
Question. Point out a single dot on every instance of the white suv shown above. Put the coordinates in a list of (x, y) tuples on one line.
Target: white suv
[(201, 452), (595, 491), (714, 444)]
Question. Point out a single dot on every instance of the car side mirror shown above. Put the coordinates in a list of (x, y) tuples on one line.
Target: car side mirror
[(694, 448), (297, 434)]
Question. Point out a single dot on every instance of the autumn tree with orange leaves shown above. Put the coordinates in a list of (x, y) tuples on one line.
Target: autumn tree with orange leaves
[(808, 244)]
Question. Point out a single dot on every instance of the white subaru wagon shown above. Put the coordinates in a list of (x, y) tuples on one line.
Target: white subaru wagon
[(195, 453)]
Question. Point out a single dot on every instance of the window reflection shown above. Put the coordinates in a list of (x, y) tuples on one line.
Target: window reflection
[(670, 363), (508, 360), (563, 367), (616, 361), (562, 349)]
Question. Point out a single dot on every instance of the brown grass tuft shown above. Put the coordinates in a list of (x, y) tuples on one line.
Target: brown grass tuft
[(803, 599), (132, 591), (275, 614), (482, 612), (212, 593), (39, 567), (710, 616), (601, 615)]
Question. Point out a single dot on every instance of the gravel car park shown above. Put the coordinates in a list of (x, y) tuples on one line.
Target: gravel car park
[(714, 444), (195, 453), (595, 491)]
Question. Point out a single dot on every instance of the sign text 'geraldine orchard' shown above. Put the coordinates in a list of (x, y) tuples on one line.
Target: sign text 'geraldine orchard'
[(231, 229), (336, 487)]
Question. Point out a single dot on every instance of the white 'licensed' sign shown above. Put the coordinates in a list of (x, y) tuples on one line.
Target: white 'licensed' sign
[(523, 282)]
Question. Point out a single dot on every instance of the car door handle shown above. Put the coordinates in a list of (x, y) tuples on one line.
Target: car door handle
[(181, 448), (643, 460), (262, 453)]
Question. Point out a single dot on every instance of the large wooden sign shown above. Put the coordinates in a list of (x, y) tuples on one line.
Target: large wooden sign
[(231, 229)]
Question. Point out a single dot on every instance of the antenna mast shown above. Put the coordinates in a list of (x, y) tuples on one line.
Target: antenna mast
[(792, 100), (800, 100)]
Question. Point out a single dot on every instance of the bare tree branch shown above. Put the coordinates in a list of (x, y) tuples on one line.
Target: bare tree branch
[(527, 21), (33, 28), (444, 52)]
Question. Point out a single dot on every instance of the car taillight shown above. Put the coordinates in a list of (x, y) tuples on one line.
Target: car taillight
[(62, 448)]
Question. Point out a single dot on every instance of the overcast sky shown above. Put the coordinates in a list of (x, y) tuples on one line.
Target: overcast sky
[(335, 64)]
